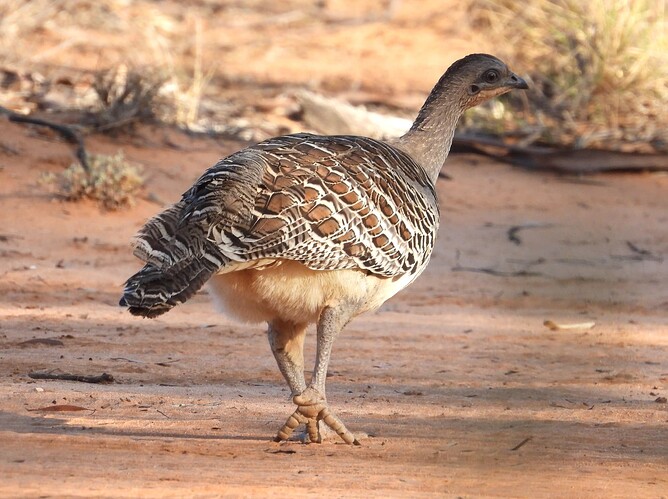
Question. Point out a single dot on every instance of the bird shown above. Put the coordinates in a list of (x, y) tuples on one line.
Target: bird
[(303, 228)]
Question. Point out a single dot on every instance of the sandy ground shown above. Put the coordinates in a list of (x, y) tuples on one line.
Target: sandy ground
[(455, 388), (442, 385)]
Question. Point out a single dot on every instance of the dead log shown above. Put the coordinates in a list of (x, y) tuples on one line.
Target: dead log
[(571, 161), (333, 116)]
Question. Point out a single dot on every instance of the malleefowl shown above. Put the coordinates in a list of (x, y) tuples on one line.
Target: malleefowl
[(306, 228)]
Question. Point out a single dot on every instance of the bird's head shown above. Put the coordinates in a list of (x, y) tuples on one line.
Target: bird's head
[(467, 83), (480, 77), (473, 80)]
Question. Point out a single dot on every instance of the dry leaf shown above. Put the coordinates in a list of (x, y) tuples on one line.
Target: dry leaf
[(554, 326), (61, 408)]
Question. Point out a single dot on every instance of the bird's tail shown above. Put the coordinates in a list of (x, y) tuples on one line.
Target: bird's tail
[(153, 291), (179, 260)]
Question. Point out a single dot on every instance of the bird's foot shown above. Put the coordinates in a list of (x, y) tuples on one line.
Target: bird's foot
[(311, 409)]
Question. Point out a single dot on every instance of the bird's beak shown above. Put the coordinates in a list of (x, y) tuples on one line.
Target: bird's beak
[(515, 81)]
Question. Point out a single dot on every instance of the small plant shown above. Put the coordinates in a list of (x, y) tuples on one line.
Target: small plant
[(126, 95), (599, 69), (111, 181), (184, 92)]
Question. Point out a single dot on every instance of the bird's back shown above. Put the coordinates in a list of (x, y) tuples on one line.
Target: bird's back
[(327, 202)]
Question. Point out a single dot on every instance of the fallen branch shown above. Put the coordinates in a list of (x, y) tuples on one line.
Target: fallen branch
[(522, 443), (61, 408), (639, 254), (163, 414), (335, 116), (68, 133), (102, 378), (578, 161), (494, 272), (513, 231)]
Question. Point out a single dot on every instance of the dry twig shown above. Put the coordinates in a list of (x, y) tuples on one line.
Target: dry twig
[(522, 443), (70, 134), (102, 378)]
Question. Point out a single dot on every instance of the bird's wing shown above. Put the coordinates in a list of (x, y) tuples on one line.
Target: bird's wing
[(336, 202)]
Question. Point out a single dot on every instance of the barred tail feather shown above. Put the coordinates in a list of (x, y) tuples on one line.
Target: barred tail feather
[(155, 242), (152, 291), (179, 260)]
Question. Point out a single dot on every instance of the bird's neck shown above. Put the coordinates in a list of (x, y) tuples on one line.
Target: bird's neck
[(429, 139)]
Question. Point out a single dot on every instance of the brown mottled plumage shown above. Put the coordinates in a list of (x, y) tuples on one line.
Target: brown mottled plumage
[(304, 228)]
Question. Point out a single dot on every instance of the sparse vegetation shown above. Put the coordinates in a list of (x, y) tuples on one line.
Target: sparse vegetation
[(157, 66), (185, 92), (112, 181), (125, 95), (599, 69)]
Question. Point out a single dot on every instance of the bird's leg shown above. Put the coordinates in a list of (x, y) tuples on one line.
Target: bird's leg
[(287, 343), (312, 403)]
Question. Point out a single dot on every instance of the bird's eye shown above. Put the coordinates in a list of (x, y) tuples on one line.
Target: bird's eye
[(491, 76)]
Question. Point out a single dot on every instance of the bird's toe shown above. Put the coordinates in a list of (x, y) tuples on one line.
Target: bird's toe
[(311, 409)]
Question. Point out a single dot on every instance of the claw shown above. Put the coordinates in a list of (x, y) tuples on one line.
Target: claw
[(293, 422), (337, 425), (311, 409)]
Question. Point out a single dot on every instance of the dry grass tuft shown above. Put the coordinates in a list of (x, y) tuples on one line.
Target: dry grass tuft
[(125, 96), (185, 91), (111, 181), (156, 55), (599, 69), (18, 20)]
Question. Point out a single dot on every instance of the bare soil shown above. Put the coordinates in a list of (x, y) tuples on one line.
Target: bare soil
[(455, 388), (441, 384)]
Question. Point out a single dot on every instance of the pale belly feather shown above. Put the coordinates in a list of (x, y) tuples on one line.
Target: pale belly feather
[(292, 292)]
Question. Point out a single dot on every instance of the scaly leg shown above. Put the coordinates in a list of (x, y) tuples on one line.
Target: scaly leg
[(287, 343), (312, 403)]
